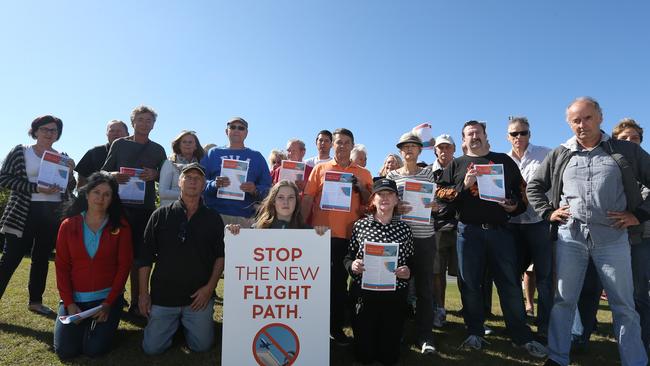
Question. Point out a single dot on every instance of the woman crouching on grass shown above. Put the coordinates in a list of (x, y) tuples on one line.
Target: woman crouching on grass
[(378, 316), (93, 259), (280, 210)]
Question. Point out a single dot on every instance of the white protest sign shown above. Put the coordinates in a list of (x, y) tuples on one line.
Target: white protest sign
[(276, 298)]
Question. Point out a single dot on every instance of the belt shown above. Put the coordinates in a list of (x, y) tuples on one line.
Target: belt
[(490, 226)]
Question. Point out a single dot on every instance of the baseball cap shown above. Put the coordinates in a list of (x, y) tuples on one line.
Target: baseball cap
[(195, 166), (444, 139), (384, 184), (238, 119)]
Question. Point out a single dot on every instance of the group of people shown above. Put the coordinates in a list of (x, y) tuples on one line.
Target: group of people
[(574, 221)]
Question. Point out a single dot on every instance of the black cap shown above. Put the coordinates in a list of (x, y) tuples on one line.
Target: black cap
[(384, 184), (195, 166)]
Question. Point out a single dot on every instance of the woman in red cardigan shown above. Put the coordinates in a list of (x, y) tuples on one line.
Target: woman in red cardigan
[(93, 259)]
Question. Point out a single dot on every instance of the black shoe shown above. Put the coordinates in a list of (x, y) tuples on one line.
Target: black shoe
[(340, 338), (550, 362)]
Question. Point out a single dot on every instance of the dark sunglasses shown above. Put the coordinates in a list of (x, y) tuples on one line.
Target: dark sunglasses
[(519, 133), (237, 127)]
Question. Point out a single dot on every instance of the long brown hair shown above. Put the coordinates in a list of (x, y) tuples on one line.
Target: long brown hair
[(176, 146), (266, 212)]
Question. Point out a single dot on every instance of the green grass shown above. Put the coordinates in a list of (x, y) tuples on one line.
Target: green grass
[(26, 339)]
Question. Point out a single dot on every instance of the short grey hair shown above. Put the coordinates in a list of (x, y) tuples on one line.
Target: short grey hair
[(143, 109), (356, 149), (589, 100), (296, 141), (519, 119)]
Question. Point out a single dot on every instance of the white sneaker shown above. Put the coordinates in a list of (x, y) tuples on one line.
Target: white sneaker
[(487, 330), (427, 348), (534, 349), (473, 342)]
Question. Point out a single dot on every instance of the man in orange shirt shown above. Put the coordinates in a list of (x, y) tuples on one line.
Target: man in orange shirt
[(340, 222)]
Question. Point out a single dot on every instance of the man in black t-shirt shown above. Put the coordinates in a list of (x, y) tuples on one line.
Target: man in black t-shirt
[(484, 238), (94, 159), (185, 239)]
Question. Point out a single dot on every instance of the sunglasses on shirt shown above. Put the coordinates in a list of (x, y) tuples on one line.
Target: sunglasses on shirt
[(519, 133)]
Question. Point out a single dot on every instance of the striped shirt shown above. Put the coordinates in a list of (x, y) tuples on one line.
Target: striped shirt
[(13, 176), (419, 230)]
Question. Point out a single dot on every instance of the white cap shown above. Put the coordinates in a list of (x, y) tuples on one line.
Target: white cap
[(444, 139)]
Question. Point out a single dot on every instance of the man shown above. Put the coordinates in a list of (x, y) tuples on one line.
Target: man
[(295, 152), (94, 159), (339, 222), (594, 198), (258, 178), (185, 239), (485, 241), (137, 151), (323, 146), (531, 232), (445, 224)]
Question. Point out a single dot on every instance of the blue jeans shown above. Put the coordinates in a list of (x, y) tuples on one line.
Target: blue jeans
[(71, 340), (534, 244), (163, 324), (641, 279), (494, 248), (613, 264)]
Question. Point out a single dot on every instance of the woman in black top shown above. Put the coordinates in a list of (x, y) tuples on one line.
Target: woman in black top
[(378, 316)]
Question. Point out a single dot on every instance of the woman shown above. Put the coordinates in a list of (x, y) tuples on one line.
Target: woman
[(28, 221), (93, 259), (280, 210), (392, 162), (186, 149), (378, 316), (410, 147)]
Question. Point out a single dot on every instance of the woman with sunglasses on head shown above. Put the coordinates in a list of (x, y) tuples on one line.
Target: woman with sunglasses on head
[(186, 149), (29, 221), (392, 162), (94, 255), (378, 316)]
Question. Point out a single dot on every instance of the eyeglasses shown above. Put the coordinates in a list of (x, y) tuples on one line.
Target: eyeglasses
[(518, 133), (48, 130), (237, 127), (182, 232)]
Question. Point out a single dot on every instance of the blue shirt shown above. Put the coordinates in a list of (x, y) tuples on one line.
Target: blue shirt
[(593, 185), (258, 173)]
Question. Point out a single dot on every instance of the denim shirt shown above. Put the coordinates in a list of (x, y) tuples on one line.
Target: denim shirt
[(593, 185)]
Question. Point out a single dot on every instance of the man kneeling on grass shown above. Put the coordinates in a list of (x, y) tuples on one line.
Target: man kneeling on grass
[(185, 239)]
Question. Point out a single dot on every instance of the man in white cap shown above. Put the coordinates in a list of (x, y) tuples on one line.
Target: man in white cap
[(445, 223)]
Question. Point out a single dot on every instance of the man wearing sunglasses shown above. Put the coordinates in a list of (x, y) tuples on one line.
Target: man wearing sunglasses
[(185, 239), (530, 230), (258, 178)]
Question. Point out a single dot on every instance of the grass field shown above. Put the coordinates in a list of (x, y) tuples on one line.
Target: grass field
[(26, 339)]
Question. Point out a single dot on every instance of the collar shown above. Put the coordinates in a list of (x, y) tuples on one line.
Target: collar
[(572, 143)]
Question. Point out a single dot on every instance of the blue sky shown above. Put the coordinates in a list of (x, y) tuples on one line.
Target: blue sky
[(292, 68)]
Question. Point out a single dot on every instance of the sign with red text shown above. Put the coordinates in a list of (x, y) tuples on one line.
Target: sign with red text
[(276, 298)]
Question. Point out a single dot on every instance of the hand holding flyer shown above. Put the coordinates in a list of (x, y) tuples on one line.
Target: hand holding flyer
[(54, 171), (236, 171), (133, 190), (67, 319), (419, 196), (380, 263), (491, 182), (292, 170), (337, 191)]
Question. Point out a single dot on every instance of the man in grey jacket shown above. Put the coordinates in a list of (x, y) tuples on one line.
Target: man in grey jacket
[(594, 201)]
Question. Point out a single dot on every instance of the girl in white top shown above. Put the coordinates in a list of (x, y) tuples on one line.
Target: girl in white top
[(186, 149)]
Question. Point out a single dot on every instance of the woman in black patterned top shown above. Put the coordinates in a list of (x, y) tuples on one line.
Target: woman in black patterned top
[(378, 316)]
